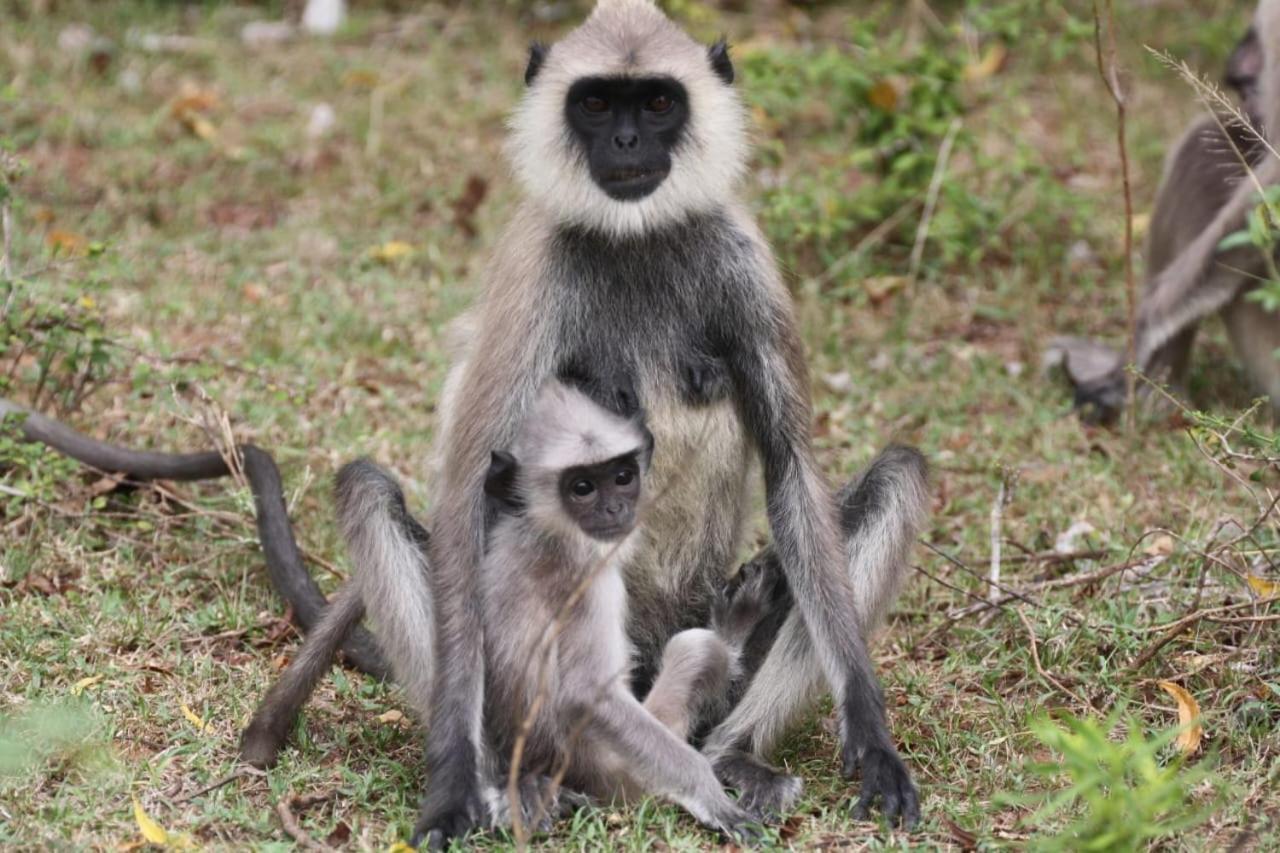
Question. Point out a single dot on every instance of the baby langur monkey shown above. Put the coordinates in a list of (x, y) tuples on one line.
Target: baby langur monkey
[(558, 660), (563, 511)]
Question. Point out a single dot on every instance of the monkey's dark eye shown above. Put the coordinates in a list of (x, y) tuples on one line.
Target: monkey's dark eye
[(659, 104), (593, 104), (582, 488), (624, 477)]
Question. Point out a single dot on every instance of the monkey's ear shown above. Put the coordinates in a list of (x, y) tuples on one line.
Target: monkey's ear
[(646, 454), (537, 55), (1244, 66), (720, 61), (500, 481)]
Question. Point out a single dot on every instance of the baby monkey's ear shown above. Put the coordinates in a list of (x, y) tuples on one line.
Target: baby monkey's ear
[(500, 481), (537, 55)]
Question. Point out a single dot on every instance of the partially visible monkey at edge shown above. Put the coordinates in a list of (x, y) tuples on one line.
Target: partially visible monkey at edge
[(1206, 193), (633, 264), (563, 521)]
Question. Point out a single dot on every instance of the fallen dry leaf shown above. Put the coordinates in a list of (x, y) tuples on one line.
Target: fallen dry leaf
[(1160, 546), (883, 95), (391, 252), (79, 686), (990, 63), (151, 831), (1188, 715), (1263, 587), (66, 242), (194, 718), (390, 717)]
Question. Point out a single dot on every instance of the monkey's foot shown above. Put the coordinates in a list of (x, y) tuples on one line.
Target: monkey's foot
[(744, 601), (542, 802), (261, 742), (447, 813), (764, 791), (884, 778)]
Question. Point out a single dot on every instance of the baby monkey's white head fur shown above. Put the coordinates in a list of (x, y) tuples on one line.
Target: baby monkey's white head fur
[(628, 123), (574, 472)]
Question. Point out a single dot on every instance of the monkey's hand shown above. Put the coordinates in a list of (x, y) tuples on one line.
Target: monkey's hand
[(449, 811), (884, 777), (734, 824)]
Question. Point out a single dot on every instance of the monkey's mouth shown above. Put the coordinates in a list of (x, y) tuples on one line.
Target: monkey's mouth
[(632, 183)]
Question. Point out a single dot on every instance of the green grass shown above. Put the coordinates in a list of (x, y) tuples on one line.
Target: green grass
[(236, 277)]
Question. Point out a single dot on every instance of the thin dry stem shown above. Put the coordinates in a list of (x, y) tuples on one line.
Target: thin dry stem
[(1111, 79)]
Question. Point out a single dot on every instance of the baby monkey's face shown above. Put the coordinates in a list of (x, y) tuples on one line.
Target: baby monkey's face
[(602, 498)]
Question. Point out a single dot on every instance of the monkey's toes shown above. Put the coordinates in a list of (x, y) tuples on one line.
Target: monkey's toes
[(764, 791)]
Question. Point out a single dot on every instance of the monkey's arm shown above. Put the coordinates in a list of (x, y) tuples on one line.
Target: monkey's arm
[(766, 363), (512, 355), (658, 760), (1198, 282)]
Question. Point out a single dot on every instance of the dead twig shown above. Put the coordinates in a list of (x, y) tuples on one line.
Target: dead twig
[(1111, 79), (239, 773), (1174, 629), (1035, 658), (284, 809), (931, 200)]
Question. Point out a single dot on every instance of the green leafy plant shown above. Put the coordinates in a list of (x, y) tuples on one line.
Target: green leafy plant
[(1122, 792), (1262, 232)]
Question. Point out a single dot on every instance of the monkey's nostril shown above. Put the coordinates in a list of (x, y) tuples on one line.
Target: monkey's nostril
[(626, 141)]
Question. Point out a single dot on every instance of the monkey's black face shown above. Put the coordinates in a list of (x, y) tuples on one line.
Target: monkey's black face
[(627, 129), (602, 498)]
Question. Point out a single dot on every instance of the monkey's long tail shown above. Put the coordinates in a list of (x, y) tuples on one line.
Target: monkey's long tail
[(285, 566)]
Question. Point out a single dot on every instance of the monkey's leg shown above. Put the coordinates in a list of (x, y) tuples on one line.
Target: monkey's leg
[(697, 665), (261, 742), (881, 515), (1255, 335), (388, 553)]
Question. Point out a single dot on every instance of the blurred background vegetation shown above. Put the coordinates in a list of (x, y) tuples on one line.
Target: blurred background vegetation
[(216, 226)]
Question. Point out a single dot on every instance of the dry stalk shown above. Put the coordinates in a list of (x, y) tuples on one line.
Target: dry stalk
[(931, 200), (1045, 674), (1111, 79)]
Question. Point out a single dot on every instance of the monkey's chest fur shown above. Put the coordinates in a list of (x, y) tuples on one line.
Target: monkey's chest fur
[(639, 329)]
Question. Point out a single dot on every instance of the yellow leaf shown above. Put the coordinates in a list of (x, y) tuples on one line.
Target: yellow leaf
[(1160, 546), (1188, 716), (88, 303), (360, 78), (400, 847), (79, 686), (194, 719), (1263, 587), (66, 242), (881, 287), (884, 96), (199, 126), (391, 717), (150, 830), (1141, 222), (390, 252), (992, 61)]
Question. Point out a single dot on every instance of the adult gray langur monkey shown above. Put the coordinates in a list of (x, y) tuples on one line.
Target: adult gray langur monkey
[(1206, 193), (633, 269)]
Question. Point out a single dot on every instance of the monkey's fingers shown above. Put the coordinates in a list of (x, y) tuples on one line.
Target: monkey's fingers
[(885, 778), (285, 566)]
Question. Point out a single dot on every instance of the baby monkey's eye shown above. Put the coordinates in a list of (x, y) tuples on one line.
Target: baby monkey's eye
[(582, 488), (624, 477), (593, 104), (658, 104)]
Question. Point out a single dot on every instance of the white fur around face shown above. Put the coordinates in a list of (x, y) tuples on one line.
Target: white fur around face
[(628, 38)]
